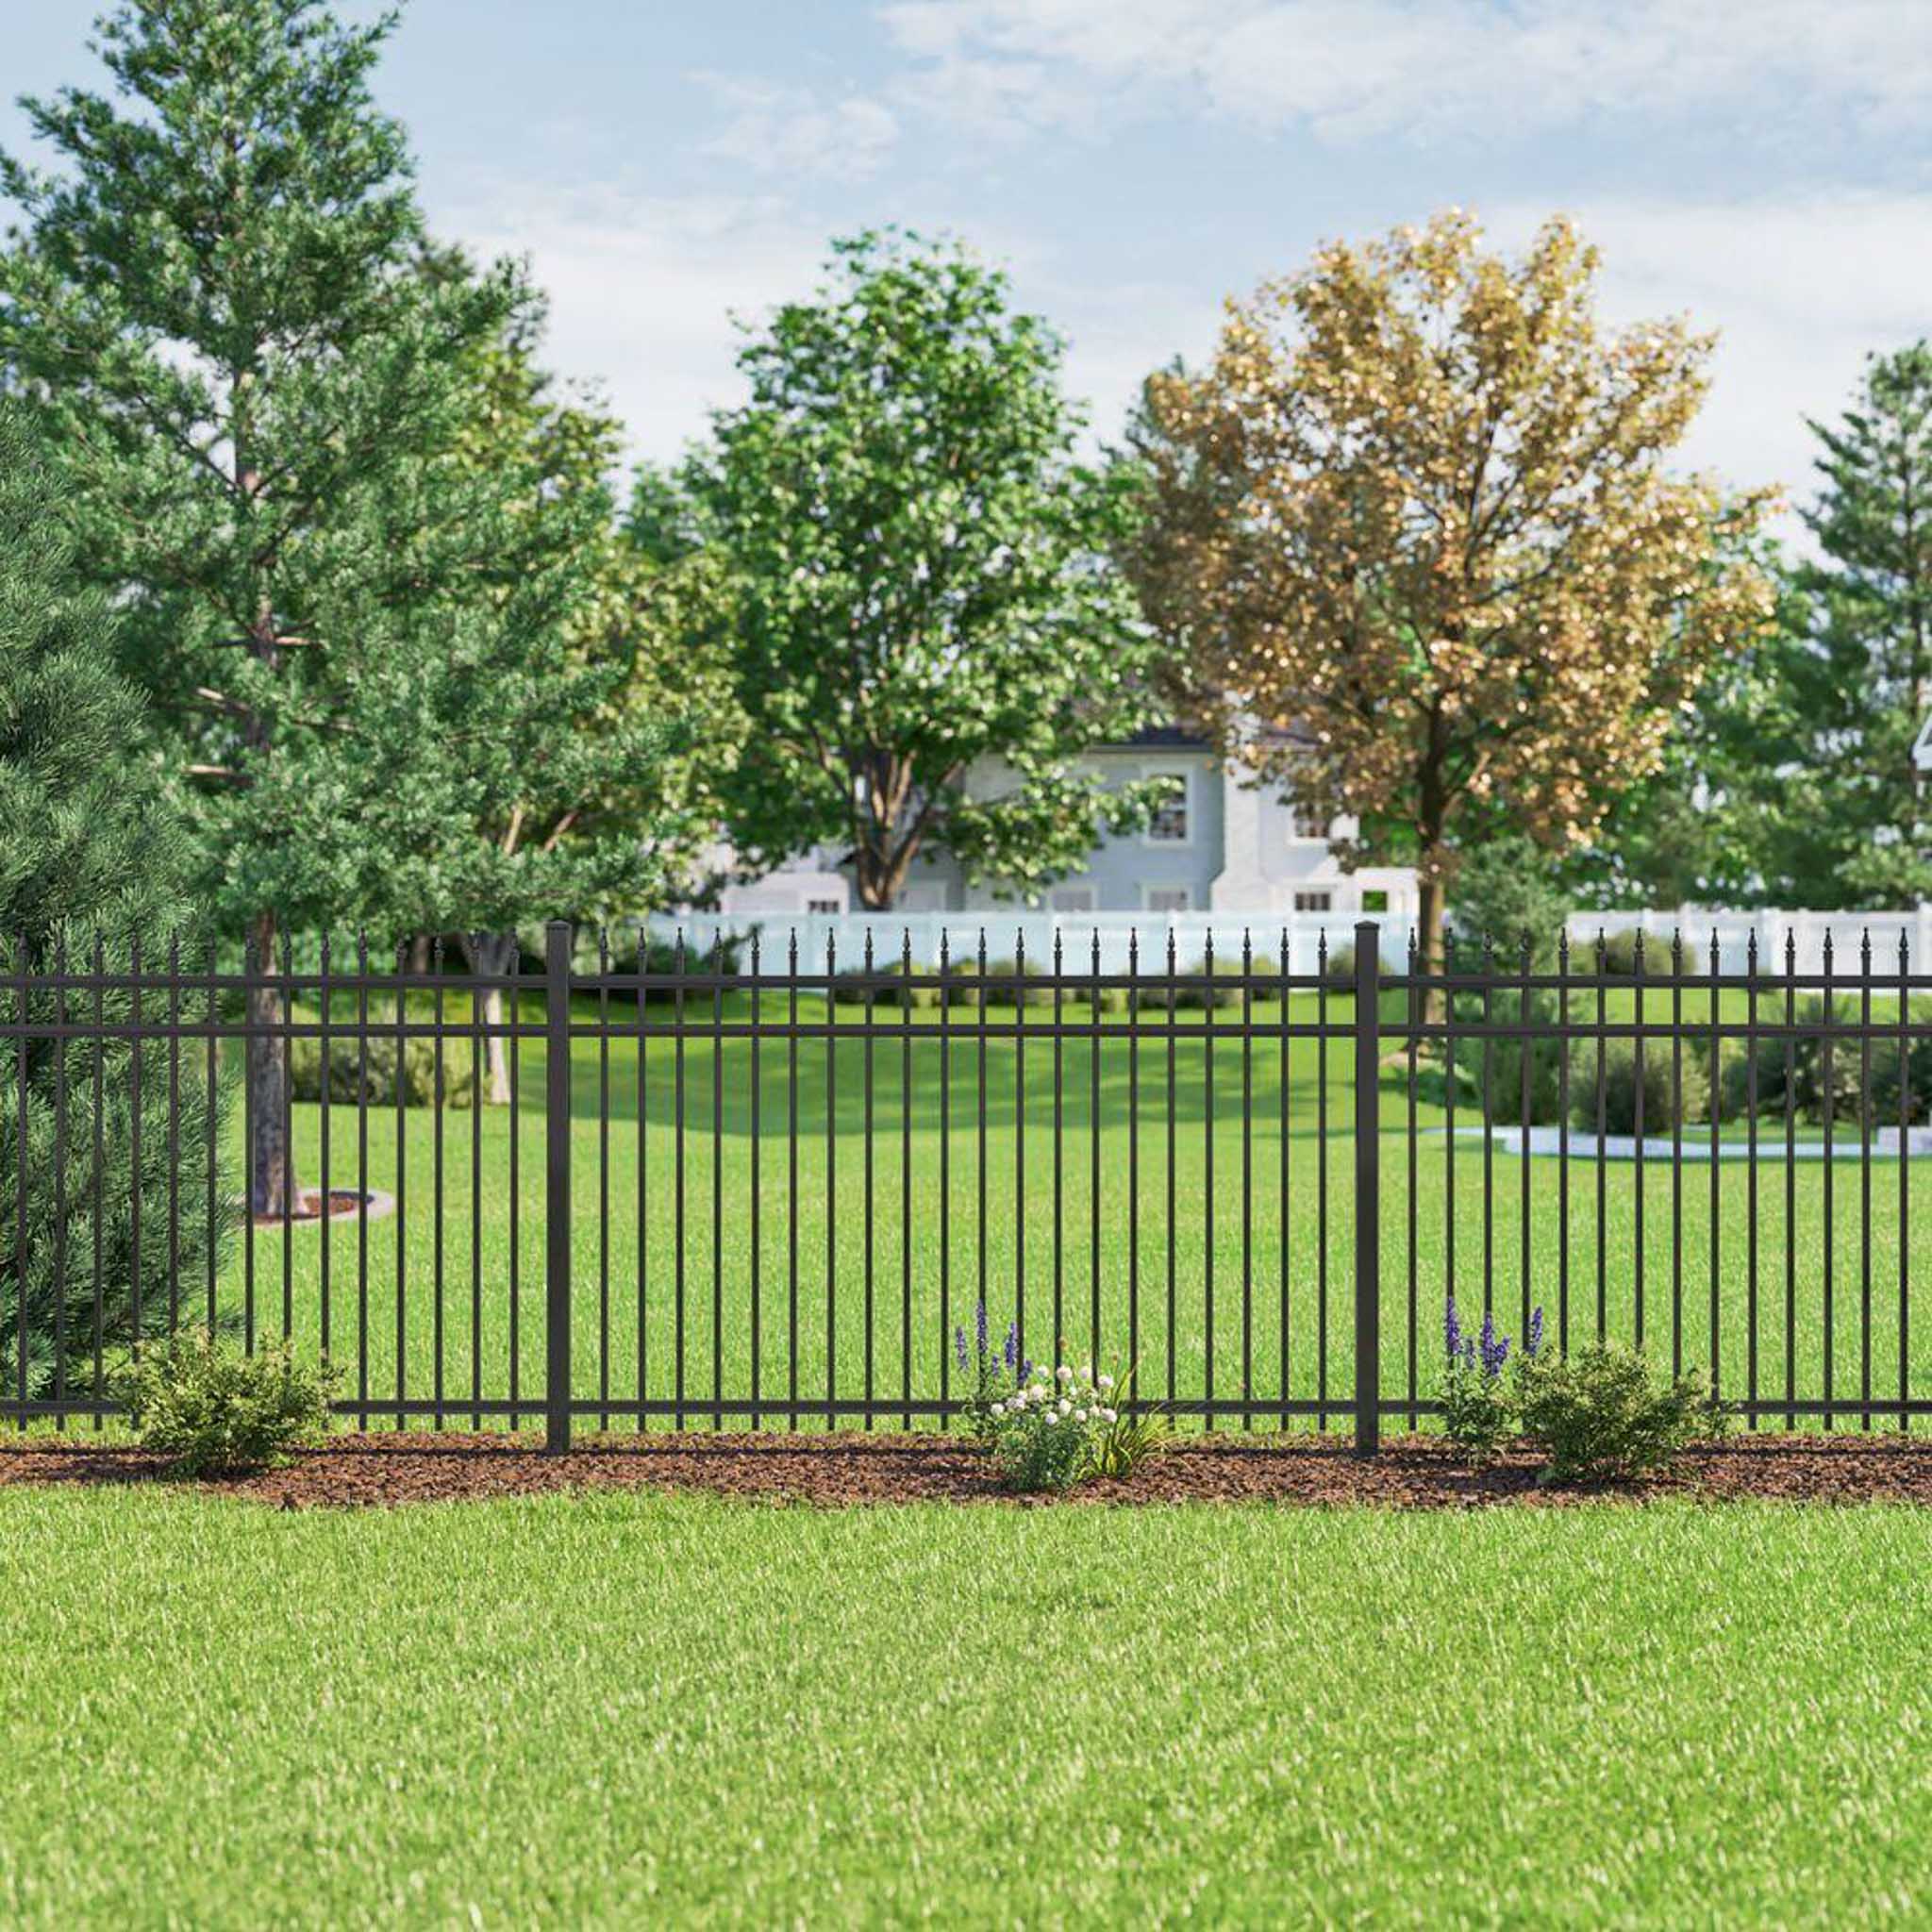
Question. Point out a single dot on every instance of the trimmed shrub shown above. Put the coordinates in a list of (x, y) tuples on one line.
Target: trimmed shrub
[(1602, 1415), (1491, 1071), (211, 1411), (1801, 1091), (1668, 1099), (1619, 956), (362, 1069)]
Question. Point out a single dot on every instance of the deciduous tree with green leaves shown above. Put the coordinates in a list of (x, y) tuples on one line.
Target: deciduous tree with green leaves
[(918, 581), (1417, 517)]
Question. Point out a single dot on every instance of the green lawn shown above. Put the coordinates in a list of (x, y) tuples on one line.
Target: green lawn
[(1221, 1284), (615, 1710)]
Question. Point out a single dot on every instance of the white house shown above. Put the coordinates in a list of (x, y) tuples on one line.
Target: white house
[(1217, 846)]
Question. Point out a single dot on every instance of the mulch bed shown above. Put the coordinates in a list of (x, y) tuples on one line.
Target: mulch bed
[(1412, 1473)]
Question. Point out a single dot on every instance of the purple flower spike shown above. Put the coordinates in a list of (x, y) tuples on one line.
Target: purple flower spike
[(1012, 1352), (1495, 1348), (959, 1349), (1533, 1341), (1451, 1330)]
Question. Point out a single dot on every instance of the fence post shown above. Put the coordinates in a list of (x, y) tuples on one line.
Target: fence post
[(1368, 1190), (557, 940)]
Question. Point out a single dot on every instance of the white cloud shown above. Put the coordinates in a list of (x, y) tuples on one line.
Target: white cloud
[(790, 131), (642, 290), (1799, 291), (1351, 69)]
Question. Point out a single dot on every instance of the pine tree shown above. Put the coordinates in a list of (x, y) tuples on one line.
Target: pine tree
[(1873, 630), (227, 318), (91, 850)]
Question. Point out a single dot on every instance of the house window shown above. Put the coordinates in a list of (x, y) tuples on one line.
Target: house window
[(1071, 899), (831, 906), (1374, 902), (1169, 825), (1167, 898), (1314, 901)]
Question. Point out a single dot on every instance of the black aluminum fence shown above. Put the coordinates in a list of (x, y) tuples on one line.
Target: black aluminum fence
[(748, 1189)]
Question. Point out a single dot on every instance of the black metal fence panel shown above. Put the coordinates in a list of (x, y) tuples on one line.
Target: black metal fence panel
[(752, 1190)]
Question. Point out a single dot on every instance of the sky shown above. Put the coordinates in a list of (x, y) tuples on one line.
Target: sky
[(1764, 166)]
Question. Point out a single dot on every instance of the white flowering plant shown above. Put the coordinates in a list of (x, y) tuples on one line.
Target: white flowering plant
[(1047, 1434)]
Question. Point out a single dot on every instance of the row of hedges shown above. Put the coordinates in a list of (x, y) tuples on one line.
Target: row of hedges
[(1790, 1078), (960, 986)]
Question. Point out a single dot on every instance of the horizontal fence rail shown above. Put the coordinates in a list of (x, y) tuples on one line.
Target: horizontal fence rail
[(751, 1187)]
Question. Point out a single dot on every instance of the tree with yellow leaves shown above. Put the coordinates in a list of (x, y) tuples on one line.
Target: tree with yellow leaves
[(1415, 550)]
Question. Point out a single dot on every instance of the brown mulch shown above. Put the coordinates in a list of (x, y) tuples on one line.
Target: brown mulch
[(1412, 1473), (345, 1204)]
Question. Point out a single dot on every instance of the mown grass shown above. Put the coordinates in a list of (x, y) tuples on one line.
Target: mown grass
[(613, 1709), (857, 1274)]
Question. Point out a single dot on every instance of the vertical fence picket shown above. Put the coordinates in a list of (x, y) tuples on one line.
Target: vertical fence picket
[(556, 1190), (1368, 1190)]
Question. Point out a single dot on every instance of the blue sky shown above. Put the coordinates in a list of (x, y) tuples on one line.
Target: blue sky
[(1765, 165)]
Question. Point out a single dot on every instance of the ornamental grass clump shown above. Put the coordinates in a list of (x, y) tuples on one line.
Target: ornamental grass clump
[(211, 1411), (1479, 1400)]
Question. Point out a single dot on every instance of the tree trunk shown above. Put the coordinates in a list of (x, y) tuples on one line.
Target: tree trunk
[(879, 877), (491, 956), (272, 1191), (1430, 935)]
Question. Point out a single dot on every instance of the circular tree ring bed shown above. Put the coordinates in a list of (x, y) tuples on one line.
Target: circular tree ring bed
[(345, 1204), (1412, 1473)]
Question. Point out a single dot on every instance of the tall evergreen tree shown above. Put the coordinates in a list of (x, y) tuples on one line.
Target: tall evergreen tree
[(1872, 599), (91, 847), (1790, 780), (225, 314)]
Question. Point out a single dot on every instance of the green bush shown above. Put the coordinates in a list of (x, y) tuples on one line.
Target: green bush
[(1495, 1079), (1619, 956), (1156, 998), (1667, 1101), (362, 1068), (211, 1411), (1801, 1092), (1602, 1415), (888, 986)]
